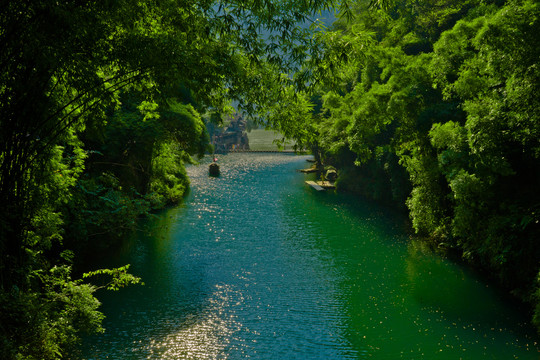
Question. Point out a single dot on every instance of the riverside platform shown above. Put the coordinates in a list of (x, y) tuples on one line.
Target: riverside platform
[(321, 185)]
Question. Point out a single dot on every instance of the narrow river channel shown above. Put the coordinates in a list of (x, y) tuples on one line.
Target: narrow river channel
[(256, 265)]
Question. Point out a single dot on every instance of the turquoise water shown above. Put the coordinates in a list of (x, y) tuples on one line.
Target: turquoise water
[(256, 265)]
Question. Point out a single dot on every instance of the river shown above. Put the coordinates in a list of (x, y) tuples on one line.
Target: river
[(257, 265)]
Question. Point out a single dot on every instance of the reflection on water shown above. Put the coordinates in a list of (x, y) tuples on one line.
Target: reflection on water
[(426, 273), (203, 336), (255, 265)]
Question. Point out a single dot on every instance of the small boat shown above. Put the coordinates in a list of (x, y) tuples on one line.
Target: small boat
[(213, 169)]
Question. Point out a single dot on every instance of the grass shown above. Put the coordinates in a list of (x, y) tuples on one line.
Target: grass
[(262, 140)]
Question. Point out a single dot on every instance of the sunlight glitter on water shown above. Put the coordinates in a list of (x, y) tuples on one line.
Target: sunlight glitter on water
[(204, 336), (256, 265)]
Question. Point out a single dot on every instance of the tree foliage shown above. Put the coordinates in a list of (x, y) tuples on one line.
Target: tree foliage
[(429, 104), (100, 107), (439, 109)]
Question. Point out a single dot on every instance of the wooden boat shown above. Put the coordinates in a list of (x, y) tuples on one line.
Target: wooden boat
[(213, 169)]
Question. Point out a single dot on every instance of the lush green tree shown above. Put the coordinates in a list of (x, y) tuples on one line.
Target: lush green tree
[(64, 65), (136, 166), (491, 161), (450, 90)]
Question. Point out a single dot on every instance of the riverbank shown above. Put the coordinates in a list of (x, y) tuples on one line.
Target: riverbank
[(255, 264), (388, 188)]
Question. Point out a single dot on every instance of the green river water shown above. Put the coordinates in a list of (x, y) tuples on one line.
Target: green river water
[(257, 265)]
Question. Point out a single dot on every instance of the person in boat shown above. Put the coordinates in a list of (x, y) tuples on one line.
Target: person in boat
[(213, 169)]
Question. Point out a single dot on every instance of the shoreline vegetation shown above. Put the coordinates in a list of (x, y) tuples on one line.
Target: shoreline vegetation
[(433, 113), (430, 107)]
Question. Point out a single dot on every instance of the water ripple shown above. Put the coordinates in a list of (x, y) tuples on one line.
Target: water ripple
[(255, 265)]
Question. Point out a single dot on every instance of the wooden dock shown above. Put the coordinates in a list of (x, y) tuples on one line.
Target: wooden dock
[(308, 171), (321, 185)]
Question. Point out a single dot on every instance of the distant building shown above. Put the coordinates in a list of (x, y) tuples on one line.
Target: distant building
[(234, 137)]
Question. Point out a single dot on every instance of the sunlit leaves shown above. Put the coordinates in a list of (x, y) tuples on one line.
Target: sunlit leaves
[(293, 117), (66, 69), (118, 277), (459, 108)]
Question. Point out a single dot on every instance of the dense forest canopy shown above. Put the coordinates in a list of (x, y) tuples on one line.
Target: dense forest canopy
[(101, 105), (430, 105), (433, 106)]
